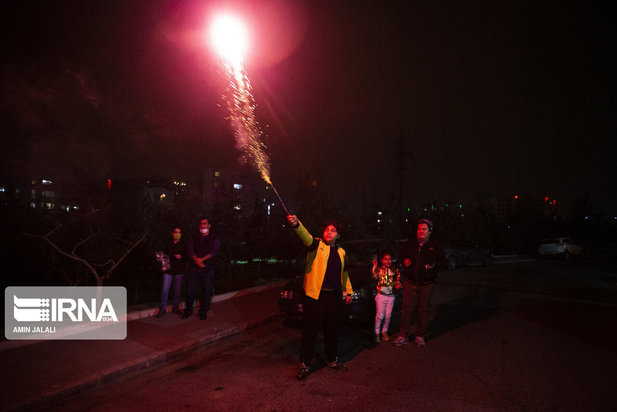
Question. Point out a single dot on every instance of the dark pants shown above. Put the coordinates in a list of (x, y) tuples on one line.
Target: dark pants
[(412, 295), (321, 313), (168, 279), (199, 283)]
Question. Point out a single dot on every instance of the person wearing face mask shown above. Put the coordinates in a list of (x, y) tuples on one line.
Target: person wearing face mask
[(422, 258), (175, 250), (202, 249), (325, 281)]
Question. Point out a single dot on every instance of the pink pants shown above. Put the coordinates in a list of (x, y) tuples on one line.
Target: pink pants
[(384, 305)]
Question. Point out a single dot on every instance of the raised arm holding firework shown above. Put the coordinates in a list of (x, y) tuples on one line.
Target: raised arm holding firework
[(325, 281)]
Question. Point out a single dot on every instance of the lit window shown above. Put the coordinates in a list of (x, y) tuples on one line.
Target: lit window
[(163, 196), (46, 182), (32, 205), (33, 193), (237, 186), (217, 174), (237, 207), (379, 213), (48, 193), (3, 189)]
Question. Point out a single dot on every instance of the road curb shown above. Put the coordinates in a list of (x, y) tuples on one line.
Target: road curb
[(151, 311), (141, 364), (136, 313)]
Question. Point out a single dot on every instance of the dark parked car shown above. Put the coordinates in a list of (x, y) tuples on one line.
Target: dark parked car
[(461, 254), (560, 246), (360, 255)]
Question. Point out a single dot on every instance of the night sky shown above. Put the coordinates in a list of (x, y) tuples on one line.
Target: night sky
[(489, 97)]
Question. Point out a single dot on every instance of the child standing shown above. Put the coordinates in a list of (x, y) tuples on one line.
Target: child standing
[(388, 279)]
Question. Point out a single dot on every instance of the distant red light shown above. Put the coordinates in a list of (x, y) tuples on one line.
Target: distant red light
[(108, 184)]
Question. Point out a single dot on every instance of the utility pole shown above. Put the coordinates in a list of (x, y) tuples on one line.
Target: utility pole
[(402, 171)]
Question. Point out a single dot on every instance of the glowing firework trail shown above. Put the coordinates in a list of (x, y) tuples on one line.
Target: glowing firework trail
[(230, 40), (247, 132)]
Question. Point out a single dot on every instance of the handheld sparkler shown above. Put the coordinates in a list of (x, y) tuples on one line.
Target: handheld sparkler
[(230, 39), (280, 200)]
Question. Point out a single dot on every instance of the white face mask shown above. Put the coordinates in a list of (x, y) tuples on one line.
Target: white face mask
[(204, 231)]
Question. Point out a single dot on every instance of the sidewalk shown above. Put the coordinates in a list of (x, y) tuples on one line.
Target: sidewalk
[(33, 373)]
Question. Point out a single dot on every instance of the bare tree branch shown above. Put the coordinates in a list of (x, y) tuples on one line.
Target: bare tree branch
[(73, 255), (100, 265), (92, 234), (62, 252), (134, 245)]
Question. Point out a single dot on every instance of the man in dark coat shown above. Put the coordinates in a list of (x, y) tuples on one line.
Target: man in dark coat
[(422, 258), (202, 249)]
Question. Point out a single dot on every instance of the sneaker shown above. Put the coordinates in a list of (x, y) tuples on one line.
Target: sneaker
[(400, 341), (337, 366), (303, 372), (161, 313), (376, 337), (420, 342), (384, 336)]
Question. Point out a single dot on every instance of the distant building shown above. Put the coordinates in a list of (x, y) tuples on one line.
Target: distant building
[(160, 191), (504, 207), (240, 189)]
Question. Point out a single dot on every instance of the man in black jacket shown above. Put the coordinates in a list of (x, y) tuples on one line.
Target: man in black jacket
[(202, 250), (422, 259)]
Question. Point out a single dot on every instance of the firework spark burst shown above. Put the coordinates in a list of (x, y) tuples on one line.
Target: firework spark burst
[(230, 39), (247, 132)]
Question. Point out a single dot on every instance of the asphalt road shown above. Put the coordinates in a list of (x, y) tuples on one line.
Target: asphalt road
[(526, 336)]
